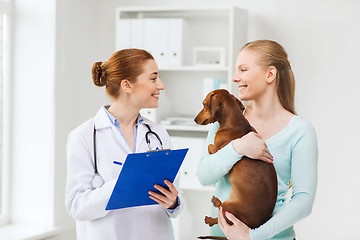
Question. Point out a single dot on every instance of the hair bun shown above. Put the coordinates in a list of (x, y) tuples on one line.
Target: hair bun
[(98, 74)]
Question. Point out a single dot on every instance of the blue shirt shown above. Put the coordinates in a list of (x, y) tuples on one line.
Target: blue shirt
[(116, 123), (295, 158)]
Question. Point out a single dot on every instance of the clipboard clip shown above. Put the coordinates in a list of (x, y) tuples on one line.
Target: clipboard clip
[(158, 150)]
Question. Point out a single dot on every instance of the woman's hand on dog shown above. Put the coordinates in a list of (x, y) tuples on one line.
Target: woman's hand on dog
[(237, 231), (168, 198), (252, 146)]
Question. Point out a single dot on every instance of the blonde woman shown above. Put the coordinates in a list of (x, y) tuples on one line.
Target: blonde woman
[(264, 78)]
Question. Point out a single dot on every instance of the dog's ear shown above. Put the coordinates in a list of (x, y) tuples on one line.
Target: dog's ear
[(239, 103), (214, 106)]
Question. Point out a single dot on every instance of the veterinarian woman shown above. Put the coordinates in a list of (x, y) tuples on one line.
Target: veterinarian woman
[(131, 78), (264, 77)]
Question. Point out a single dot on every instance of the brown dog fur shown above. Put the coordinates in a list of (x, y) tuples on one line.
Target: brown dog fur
[(253, 182)]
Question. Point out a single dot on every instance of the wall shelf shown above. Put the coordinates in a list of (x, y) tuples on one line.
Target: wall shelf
[(186, 128), (214, 27), (196, 68)]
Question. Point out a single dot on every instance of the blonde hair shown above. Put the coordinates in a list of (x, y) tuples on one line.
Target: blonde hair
[(271, 53)]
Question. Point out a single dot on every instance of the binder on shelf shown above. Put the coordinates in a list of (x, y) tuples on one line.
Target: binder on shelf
[(129, 33), (141, 171), (137, 33), (176, 41), (162, 37), (156, 39), (123, 34)]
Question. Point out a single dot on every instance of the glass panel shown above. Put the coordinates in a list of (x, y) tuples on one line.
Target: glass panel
[(1, 103), (4, 56)]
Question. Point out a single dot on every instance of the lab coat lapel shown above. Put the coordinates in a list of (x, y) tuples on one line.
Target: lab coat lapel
[(141, 145), (102, 121), (121, 139)]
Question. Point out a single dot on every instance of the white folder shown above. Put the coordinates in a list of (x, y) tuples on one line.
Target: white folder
[(156, 39), (162, 37), (122, 34), (175, 40), (137, 33)]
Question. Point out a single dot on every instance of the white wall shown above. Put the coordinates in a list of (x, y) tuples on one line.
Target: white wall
[(76, 98), (32, 106), (321, 38)]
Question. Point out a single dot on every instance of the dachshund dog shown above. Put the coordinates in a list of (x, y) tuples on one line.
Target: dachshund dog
[(253, 182)]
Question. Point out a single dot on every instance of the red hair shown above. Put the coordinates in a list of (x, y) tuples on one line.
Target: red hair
[(123, 64)]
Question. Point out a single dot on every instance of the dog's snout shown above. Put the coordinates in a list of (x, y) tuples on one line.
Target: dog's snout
[(195, 119)]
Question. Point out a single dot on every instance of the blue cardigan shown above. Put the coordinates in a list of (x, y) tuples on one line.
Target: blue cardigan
[(295, 153)]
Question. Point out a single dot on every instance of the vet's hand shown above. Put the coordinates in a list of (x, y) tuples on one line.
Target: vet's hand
[(237, 231), (252, 146), (168, 199)]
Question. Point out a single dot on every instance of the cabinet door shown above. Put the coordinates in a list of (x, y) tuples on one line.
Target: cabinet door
[(188, 170)]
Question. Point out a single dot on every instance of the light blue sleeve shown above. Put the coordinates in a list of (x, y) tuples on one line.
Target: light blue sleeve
[(176, 211), (213, 167), (304, 181)]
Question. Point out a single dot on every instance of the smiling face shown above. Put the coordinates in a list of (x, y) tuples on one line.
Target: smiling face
[(147, 87), (250, 77)]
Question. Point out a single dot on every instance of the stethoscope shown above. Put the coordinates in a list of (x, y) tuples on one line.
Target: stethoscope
[(97, 180)]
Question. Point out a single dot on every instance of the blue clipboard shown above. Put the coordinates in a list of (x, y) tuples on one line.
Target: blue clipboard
[(140, 172)]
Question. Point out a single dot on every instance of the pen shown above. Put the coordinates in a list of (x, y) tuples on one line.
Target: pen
[(116, 162)]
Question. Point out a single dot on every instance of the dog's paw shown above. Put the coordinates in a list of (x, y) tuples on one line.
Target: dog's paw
[(216, 202), (210, 221), (211, 148)]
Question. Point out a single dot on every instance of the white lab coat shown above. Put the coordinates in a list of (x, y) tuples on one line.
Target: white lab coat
[(87, 205)]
